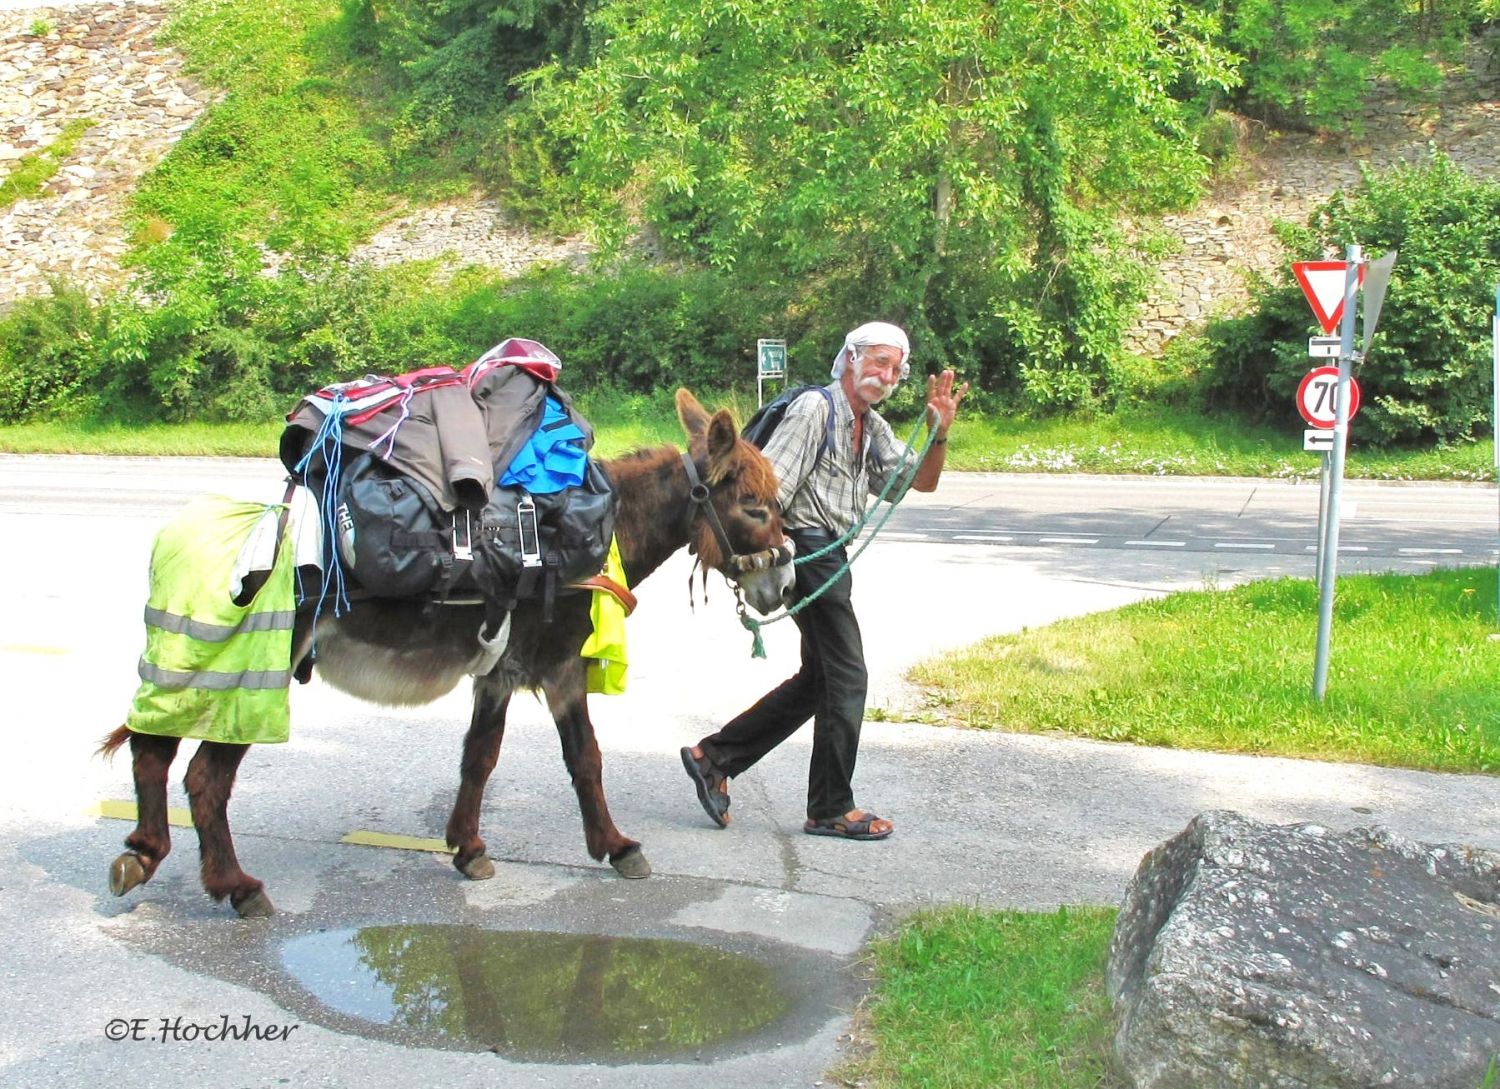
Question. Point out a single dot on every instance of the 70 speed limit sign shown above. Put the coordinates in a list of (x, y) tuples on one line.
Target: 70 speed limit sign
[(1315, 396)]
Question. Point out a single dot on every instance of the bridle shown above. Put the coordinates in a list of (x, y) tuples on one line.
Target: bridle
[(732, 564)]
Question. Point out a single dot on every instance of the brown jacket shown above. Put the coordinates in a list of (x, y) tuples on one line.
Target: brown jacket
[(457, 436)]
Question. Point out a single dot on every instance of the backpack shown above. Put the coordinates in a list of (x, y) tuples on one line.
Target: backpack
[(549, 516), (759, 428), (396, 541)]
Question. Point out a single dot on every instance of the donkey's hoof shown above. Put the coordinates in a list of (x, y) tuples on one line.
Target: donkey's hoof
[(478, 868), (255, 906), (631, 863), (125, 873)]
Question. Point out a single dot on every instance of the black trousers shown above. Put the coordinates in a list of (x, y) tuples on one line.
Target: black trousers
[(829, 689)]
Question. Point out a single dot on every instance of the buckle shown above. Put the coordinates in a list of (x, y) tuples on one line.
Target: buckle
[(531, 550), (463, 549)]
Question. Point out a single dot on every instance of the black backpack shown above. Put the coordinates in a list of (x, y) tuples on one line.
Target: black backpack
[(759, 428), (397, 541)]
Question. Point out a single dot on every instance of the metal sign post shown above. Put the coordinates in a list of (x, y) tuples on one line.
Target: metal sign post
[(1317, 397), (1323, 478), (1328, 571), (770, 362)]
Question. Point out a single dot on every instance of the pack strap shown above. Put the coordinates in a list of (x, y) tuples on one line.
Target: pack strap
[(456, 562), (605, 585)]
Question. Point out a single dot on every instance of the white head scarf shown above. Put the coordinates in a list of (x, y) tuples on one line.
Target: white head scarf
[(871, 333)]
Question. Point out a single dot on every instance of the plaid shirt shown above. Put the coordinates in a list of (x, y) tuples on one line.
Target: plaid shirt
[(829, 492)]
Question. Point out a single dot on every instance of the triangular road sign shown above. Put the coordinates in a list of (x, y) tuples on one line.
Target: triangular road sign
[(1380, 279), (1323, 284)]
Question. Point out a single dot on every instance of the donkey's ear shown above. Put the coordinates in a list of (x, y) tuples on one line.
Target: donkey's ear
[(723, 437), (693, 415)]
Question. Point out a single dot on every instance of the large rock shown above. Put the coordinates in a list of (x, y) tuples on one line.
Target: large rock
[(1249, 955)]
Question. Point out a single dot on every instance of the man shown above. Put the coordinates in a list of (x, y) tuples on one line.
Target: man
[(823, 494)]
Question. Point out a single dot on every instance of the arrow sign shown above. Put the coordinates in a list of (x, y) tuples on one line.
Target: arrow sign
[(1323, 284), (1317, 440)]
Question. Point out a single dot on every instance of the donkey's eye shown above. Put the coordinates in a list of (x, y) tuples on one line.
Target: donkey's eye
[(758, 514)]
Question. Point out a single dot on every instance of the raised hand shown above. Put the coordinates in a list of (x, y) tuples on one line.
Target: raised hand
[(943, 399)]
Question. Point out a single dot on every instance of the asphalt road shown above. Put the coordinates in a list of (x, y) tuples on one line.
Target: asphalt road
[(1424, 522), (993, 819), (1416, 523)]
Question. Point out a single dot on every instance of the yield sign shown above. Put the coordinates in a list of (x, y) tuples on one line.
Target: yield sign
[(1323, 284)]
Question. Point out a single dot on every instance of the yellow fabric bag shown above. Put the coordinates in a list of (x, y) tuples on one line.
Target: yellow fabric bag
[(605, 648)]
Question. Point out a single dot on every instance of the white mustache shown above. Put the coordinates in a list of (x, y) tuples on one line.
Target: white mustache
[(875, 384)]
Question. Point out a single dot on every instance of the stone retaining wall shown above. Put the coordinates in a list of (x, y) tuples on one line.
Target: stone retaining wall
[(475, 232), (1228, 235), (99, 62)]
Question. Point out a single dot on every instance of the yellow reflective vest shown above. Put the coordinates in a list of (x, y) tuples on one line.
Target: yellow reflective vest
[(212, 669)]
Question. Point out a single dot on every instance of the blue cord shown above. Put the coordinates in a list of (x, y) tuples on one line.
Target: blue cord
[(329, 442)]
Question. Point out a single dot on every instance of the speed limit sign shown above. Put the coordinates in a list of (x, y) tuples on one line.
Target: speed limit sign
[(1315, 396)]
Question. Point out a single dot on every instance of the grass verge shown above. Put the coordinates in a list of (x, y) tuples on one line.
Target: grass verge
[(1412, 683), (991, 999), (146, 440), (622, 422), (1129, 443), (1163, 442)]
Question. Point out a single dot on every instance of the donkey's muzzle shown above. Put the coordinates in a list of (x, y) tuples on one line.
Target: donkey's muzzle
[(763, 560)]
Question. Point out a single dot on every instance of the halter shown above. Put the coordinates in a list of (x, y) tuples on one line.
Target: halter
[(732, 564)]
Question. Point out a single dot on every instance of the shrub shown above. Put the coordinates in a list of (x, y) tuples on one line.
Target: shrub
[(636, 327), (182, 344), (1428, 375), (457, 60), (1310, 63), (215, 339), (49, 352)]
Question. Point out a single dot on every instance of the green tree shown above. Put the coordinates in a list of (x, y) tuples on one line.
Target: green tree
[(1307, 63), (957, 166), (459, 58)]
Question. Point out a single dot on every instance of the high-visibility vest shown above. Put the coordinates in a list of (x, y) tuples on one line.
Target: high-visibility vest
[(212, 669)]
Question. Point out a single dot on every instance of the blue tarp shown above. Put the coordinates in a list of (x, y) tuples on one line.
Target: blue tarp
[(553, 459)]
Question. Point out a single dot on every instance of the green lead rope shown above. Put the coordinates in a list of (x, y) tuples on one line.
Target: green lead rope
[(904, 477)]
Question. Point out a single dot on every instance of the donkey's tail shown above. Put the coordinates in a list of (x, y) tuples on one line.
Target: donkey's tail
[(112, 741)]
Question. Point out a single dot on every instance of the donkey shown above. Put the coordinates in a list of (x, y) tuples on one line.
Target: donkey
[(720, 496)]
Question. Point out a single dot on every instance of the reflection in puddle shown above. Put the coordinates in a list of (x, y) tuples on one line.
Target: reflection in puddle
[(537, 995)]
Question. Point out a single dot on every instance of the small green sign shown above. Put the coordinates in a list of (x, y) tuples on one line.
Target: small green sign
[(772, 357)]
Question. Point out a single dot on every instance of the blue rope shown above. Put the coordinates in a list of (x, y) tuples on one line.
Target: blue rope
[(329, 442)]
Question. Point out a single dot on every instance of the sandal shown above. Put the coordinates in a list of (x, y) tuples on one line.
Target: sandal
[(844, 828), (715, 802)]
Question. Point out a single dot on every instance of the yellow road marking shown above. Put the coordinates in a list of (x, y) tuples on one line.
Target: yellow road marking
[(125, 811), (401, 843), (176, 815)]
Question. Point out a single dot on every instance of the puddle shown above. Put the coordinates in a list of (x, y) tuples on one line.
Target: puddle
[(537, 996)]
